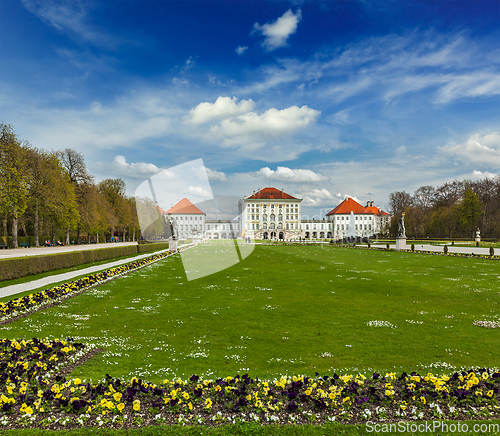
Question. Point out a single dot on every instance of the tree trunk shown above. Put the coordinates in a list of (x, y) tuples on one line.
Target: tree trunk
[(5, 225), (14, 231), (133, 236), (97, 238), (124, 234), (78, 235), (37, 242), (53, 236), (23, 225), (66, 239)]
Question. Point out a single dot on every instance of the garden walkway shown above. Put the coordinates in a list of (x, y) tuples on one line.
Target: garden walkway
[(38, 251), (46, 281)]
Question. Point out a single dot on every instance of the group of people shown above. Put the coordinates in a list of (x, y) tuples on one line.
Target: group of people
[(47, 243)]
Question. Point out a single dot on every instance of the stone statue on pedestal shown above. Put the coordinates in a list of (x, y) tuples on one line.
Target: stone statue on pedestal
[(401, 238), (401, 227)]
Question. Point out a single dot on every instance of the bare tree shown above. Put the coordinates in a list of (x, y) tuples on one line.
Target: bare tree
[(424, 197), (399, 201)]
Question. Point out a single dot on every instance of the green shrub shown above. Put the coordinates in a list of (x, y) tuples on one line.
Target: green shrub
[(477, 243), (445, 249), (25, 266), (412, 247), (153, 246), (452, 242), (387, 246), (492, 251)]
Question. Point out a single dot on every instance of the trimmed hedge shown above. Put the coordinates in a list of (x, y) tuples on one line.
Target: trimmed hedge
[(154, 246), (25, 266)]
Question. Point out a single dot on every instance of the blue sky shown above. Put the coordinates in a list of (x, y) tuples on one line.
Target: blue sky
[(324, 98)]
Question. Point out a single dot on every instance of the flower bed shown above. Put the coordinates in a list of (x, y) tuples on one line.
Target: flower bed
[(31, 394), (33, 302)]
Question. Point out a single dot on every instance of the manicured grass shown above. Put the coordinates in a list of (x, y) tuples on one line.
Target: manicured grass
[(253, 430), (284, 310)]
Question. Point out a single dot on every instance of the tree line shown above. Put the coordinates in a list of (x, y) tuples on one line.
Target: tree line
[(453, 209), (44, 194)]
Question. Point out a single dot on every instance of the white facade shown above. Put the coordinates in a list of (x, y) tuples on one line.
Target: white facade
[(317, 229), (187, 226), (364, 225), (222, 229), (269, 214)]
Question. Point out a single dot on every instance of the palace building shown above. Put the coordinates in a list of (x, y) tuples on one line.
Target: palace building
[(187, 220), (366, 221), (271, 214)]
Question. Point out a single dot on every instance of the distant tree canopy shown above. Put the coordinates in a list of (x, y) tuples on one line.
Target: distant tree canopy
[(43, 194), (454, 209)]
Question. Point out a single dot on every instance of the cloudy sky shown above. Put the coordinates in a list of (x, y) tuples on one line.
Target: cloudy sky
[(321, 98)]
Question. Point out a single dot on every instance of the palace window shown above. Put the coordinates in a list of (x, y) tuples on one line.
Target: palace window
[(208, 226), (272, 226), (253, 217), (273, 217), (264, 217), (264, 226), (280, 217), (287, 226)]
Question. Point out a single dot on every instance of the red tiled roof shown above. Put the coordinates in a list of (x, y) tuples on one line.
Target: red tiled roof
[(347, 206), (271, 194), (186, 207), (376, 210)]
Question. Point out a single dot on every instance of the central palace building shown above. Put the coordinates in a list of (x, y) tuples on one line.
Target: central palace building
[(271, 213)]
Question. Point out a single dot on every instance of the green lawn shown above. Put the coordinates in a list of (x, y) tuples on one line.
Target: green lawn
[(490, 428), (284, 310)]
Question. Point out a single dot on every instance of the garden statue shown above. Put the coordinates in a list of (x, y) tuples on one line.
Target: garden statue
[(401, 226)]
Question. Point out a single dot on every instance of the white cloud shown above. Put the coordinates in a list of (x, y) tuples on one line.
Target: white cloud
[(478, 149), (476, 84), (277, 33), (481, 175), (321, 198), (199, 192), (240, 50), (215, 175), (284, 174), (139, 168), (254, 128), (121, 168), (224, 107), (68, 17)]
